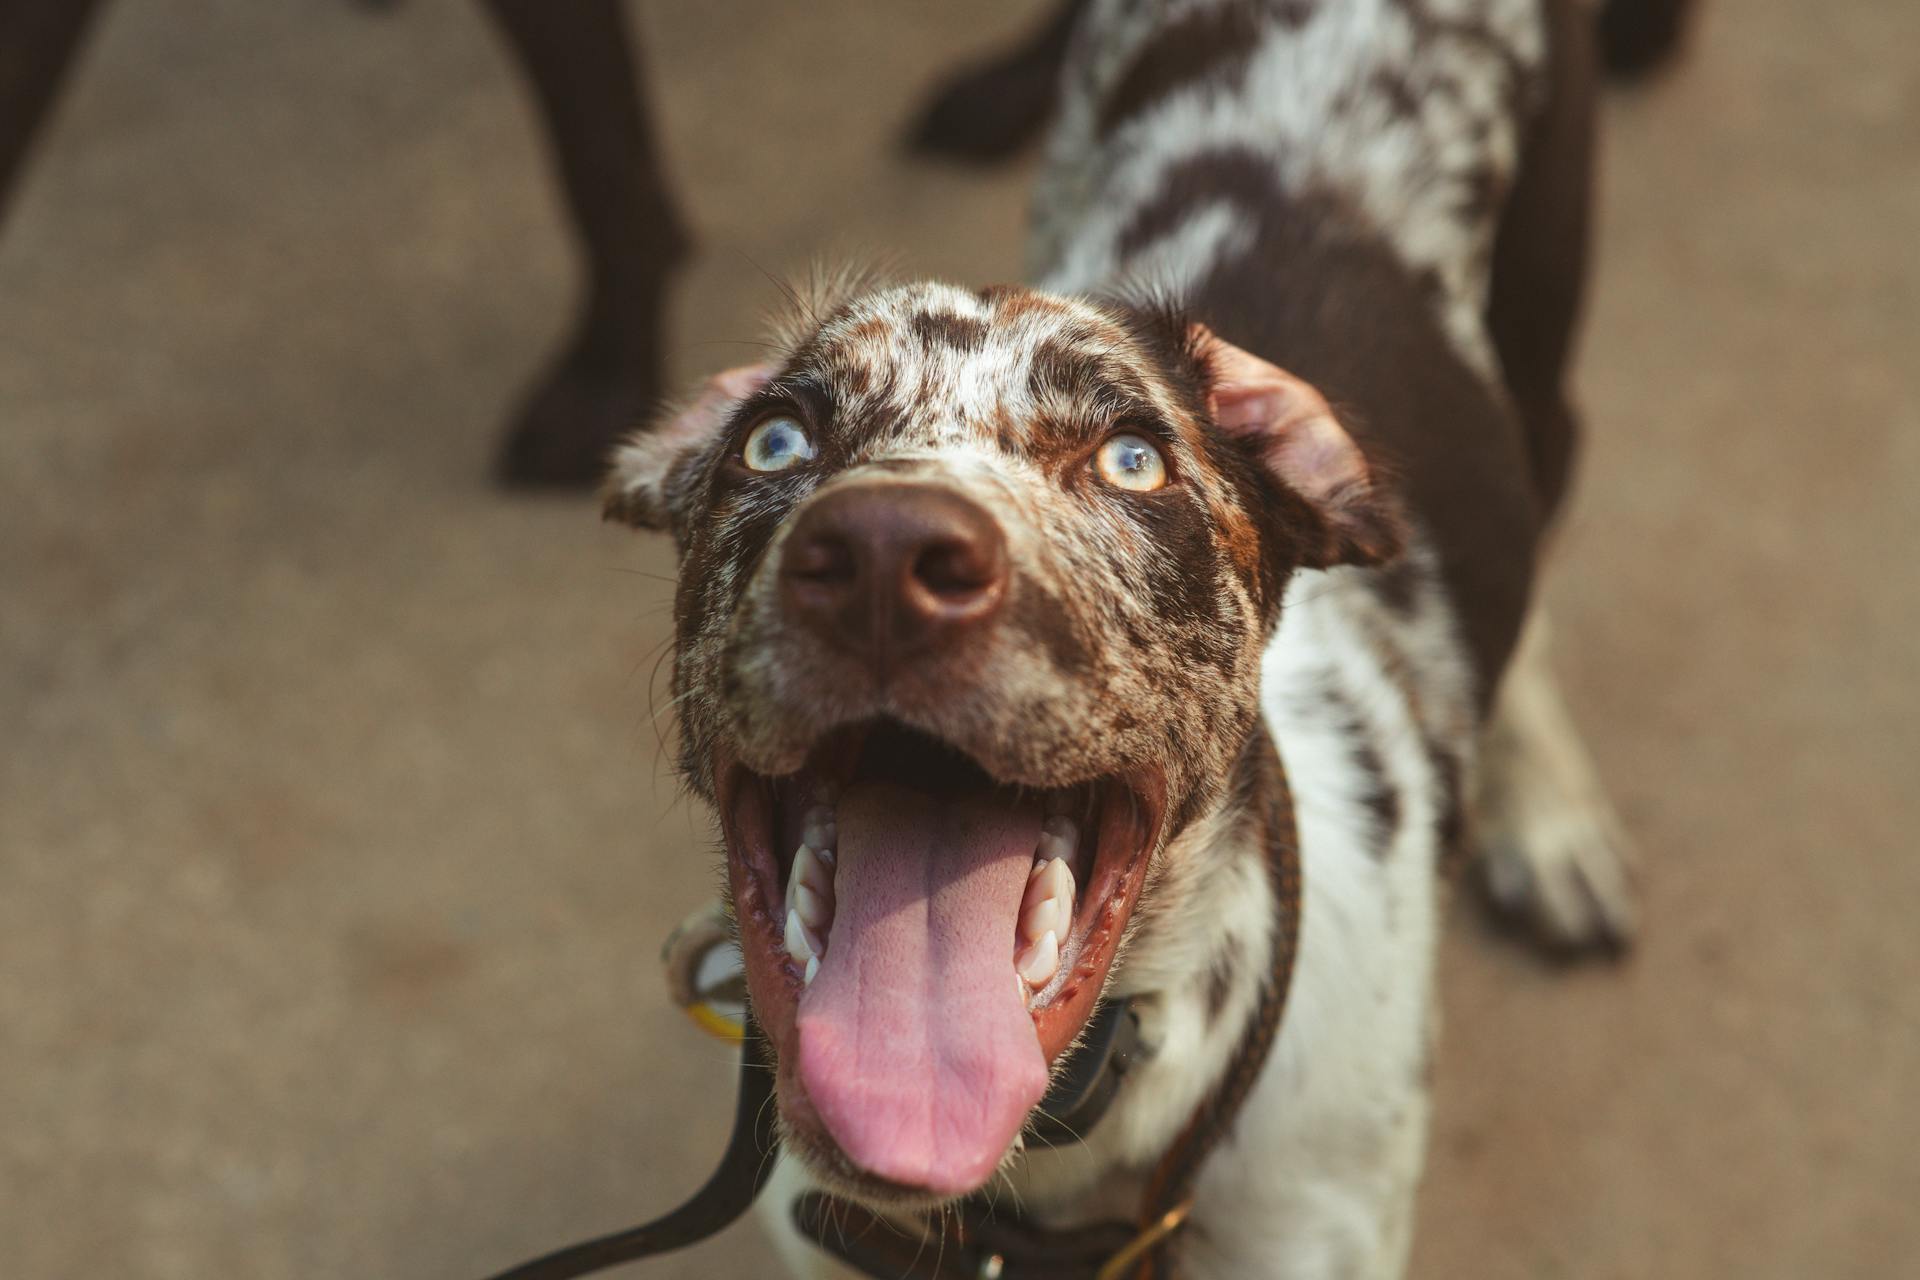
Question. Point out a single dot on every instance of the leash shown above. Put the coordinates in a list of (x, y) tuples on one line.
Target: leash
[(1072, 1106), (976, 1240), (727, 1194)]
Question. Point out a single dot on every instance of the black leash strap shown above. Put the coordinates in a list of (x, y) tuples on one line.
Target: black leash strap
[(743, 1170), (1075, 1103)]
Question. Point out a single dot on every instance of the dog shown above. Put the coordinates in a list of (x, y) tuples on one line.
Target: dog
[(1158, 632)]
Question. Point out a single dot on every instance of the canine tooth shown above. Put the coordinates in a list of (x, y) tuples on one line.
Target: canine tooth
[(812, 869), (813, 967), (812, 908), (1049, 900), (800, 939), (1042, 917), (1038, 963)]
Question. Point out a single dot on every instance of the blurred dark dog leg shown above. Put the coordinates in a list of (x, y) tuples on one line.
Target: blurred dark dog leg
[(587, 77), (990, 110), (38, 40), (1639, 37)]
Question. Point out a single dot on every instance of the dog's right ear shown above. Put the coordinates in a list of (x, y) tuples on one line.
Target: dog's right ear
[(644, 470)]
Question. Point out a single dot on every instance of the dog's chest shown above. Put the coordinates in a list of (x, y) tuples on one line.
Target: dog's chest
[(1370, 706), (1410, 111)]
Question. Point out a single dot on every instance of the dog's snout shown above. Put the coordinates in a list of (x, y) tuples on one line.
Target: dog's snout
[(890, 570)]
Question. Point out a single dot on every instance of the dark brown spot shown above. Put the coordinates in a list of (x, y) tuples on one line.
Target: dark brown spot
[(1206, 47), (1483, 190), (1378, 793), (946, 329), (1452, 804), (1241, 178), (1392, 85), (1394, 585), (1219, 986), (1292, 14), (1352, 322)]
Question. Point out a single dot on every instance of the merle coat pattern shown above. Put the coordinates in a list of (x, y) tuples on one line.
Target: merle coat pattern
[(1322, 185)]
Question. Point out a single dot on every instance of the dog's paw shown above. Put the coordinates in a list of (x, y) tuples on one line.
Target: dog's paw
[(986, 112), (1563, 870), (983, 115), (569, 422)]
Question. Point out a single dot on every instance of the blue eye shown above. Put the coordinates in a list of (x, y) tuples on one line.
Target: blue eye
[(1128, 461), (775, 445)]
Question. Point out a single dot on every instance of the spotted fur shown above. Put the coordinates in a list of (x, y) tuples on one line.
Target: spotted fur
[(1134, 624), (1322, 179)]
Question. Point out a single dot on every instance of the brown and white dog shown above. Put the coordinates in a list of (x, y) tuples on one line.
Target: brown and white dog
[(1008, 619)]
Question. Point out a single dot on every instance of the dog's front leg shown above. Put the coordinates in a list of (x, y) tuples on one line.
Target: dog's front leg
[(1554, 853)]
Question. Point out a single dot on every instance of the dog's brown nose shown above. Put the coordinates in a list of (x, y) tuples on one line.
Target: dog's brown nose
[(887, 571)]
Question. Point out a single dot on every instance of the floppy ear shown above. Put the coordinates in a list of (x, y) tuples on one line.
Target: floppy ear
[(1300, 440), (640, 479)]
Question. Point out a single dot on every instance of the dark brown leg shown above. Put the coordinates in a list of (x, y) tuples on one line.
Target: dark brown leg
[(588, 80), (1553, 853), (1540, 257), (988, 111), (38, 40)]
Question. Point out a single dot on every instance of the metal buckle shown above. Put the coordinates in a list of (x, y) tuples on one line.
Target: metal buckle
[(1150, 1237)]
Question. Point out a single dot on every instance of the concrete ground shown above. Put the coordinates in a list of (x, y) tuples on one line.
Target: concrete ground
[(336, 843)]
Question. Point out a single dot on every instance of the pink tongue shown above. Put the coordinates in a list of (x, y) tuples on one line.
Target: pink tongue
[(915, 1045)]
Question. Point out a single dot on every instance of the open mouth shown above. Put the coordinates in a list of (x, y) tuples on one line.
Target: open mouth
[(922, 941)]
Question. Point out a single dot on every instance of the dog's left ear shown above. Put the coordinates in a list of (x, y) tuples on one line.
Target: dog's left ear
[(641, 477), (1300, 440)]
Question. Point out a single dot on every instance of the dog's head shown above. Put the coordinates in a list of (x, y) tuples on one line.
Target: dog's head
[(972, 598)]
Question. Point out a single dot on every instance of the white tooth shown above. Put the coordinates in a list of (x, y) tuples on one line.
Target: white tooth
[(1059, 886), (813, 967), (1048, 903), (1038, 963), (813, 909), (1062, 826), (1038, 918), (811, 868), (799, 946)]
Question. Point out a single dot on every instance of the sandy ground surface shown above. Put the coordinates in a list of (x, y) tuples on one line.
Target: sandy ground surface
[(336, 843)]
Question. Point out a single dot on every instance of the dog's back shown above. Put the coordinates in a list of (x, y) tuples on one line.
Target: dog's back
[(1322, 183)]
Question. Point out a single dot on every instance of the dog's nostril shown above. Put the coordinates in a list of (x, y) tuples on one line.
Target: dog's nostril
[(955, 569), (823, 559)]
